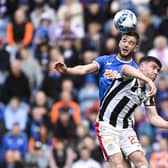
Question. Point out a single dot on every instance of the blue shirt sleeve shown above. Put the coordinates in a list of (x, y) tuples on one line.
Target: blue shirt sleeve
[(100, 61)]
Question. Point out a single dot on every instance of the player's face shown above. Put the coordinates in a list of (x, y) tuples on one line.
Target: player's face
[(151, 69), (127, 46)]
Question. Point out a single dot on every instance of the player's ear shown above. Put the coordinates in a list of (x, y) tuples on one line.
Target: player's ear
[(119, 44), (142, 64), (136, 48)]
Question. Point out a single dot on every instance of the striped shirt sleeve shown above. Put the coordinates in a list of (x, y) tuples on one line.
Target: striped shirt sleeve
[(150, 102)]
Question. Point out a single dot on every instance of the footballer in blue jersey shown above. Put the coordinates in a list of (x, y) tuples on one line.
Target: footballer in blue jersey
[(112, 63), (107, 67)]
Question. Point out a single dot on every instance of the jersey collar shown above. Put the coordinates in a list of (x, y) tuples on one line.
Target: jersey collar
[(123, 61)]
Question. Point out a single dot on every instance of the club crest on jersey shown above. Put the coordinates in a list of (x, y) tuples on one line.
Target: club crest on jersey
[(108, 63)]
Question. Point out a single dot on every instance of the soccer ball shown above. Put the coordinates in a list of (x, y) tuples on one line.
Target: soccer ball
[(125, 20)]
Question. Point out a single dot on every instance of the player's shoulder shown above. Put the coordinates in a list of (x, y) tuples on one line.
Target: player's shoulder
[(107, 57), (134, 64)]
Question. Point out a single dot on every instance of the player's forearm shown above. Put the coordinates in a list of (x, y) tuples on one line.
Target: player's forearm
[(131, 71), (77, 70), (158, 122), (82, 69)]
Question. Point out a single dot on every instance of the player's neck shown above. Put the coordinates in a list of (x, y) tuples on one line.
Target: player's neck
[(128, 58), (142, 83)]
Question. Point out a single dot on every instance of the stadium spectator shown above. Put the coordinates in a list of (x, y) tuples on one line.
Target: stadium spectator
[(137, 56), (2, 124), (43, 33), (40, 6), (72, 11), (51, 84), (160, 51), (16, 112), (94, 38), (36, 119), (87, 57), (31, 68), (85, 160), (65, 127), (159, 158), (146, 30), (19, 32), (13, 159), (61, 155), (110, 46), (162, 133), (146, 143), (38, 156), (69, 52), (41, 103), (4, 20), (91, 114), (162, 89), (65, 102), (40, 100), (4, 64), (67, 85), (93, 13), (16, 84), (4, 56), (88, 94), (95, 151), (42, 55), (55, 54), (43, 137), (15, 141), (163, 23), (65, 33), (142, 125)]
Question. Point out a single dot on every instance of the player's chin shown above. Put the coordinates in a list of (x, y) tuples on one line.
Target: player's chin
[(152, 77), (125, 54)]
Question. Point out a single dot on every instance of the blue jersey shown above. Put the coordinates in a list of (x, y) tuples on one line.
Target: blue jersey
[(109, 62)]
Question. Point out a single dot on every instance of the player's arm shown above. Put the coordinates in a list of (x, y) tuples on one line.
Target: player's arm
[(76, 70), (133, 72), (155, 119)]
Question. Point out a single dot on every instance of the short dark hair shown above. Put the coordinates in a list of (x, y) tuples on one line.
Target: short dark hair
[(150, 58), (132, 33)]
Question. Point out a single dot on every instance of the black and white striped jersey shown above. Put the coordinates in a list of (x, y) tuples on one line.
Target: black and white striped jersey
[(120, 101)]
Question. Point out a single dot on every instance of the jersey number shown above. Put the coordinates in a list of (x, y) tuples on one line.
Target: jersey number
[(133, 139)]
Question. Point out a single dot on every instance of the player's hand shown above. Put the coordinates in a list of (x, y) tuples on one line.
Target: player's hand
[(152, 88), (60, 67), (109, 74)]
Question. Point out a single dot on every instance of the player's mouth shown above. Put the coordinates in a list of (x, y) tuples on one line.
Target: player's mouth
[(125, 50)]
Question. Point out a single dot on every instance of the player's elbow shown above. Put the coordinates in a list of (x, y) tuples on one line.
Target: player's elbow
[(124, 69), (83, 71), (152, 119)]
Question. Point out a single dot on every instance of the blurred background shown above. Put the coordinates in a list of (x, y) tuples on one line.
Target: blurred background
[(47, 119)]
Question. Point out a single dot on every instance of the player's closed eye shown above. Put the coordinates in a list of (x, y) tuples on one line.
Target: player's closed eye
[(129, 42)]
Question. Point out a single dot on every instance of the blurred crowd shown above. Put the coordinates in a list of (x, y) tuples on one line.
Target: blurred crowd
[(47, 119)]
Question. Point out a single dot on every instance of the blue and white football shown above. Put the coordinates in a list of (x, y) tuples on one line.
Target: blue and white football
[(125, 20)]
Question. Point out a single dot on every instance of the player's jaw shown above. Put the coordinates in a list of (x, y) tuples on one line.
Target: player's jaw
[(152, 76), (125, 53)]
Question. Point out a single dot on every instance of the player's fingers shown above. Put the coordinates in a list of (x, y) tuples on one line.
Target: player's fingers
[(58, 65), (153, 91)]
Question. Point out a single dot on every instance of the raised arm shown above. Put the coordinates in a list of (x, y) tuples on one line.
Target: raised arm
[(155, 119), (133, 72), (76, 70)]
